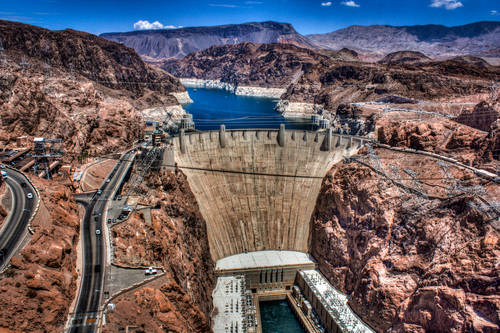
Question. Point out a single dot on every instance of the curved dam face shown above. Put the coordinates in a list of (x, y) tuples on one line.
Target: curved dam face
[(257, 188)]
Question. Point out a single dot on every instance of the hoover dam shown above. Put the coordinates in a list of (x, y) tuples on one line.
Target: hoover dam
[(257, 188)]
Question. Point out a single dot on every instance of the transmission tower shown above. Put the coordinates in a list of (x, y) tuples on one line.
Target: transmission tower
[(417, 185), (45, 151), (150, 156)]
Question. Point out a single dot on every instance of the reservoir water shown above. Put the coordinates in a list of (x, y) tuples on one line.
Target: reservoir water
[(277, 317), (213, 107)]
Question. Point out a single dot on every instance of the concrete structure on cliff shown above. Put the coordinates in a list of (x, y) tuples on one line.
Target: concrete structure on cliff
[(257, 188)]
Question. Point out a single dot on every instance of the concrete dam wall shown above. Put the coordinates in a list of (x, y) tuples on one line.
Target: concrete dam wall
[(257, 188)]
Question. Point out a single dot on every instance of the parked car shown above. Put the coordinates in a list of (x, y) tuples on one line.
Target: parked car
[(99, 192), (30, 195), (150, 271), (97, 231)]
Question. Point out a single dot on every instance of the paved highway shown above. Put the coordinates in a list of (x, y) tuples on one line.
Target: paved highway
[(15, 227), (86, 316)]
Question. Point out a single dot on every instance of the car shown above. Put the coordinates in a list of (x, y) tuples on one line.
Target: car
[(97, 231), (109, 220), (30, 195), (99, 191), (119, 197), (108, 180), (2, 166), (150, 271)]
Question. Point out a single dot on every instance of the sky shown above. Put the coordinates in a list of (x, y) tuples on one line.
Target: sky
[(307, 16)]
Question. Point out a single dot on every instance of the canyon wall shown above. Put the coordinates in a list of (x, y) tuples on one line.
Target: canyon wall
[(175, 240), (256, 189), (411, 239), (86, 90)]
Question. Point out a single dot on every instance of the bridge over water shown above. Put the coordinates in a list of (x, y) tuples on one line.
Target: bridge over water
[(257, 188)]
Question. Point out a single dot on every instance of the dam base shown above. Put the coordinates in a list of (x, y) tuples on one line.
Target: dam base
[(247, 279)]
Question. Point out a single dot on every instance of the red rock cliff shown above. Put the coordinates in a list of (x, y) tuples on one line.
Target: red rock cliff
[(176, 240), (414, 241)]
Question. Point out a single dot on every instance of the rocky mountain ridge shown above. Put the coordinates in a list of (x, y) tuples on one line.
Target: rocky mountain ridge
[(433, 40), (160, 45), (89, 91), (373, 42)]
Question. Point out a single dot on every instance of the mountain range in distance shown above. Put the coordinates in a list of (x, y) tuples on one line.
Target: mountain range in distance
[(371, 42)]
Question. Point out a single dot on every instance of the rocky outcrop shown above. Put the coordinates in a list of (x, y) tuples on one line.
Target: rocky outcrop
[(72, 85), (481, 117), (433, 40), (176, 240), (97, 59), (414, 252), (38, 288), (405, 57), (4, 194), (476, 61), (467, 145), (182, 97), (260, 91), (296, 109), (155, 45)]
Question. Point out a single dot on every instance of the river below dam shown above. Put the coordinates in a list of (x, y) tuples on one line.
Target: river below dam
[(213, 107), (277, 317)]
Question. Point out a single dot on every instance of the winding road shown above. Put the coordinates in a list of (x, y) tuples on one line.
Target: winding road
[(86, 316), (15, 228)]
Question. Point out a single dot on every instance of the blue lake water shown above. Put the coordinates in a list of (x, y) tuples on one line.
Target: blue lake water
[(213, 107), (277, 317)]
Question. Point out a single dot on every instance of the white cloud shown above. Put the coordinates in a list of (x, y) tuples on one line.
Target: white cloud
[(494, 12), (350, 4), (146, 25), (448, 4), (253, 2), (326, 4)]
